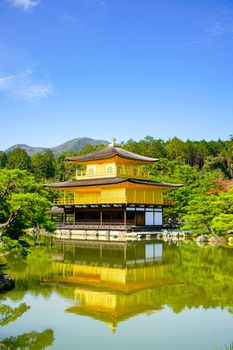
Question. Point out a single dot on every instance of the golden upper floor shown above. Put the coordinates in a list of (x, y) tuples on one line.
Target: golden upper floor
[(111, 162), (113, 169), (106, 192)]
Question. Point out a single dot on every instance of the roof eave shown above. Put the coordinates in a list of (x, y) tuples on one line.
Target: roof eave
[(73, 184), (144, 161)]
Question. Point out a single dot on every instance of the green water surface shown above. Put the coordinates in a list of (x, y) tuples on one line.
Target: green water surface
[(103, 295)]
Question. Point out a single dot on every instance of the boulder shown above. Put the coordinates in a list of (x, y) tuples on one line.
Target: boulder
[(6, 282), (24, 243), (174, 234), (202, 238), (184, 234), (216, 240)]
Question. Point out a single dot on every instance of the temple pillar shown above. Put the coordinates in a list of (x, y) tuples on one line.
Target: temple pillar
[(101, 216), (125, 216)]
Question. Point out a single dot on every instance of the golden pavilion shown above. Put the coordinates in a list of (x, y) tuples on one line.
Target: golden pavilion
[(111, 190)]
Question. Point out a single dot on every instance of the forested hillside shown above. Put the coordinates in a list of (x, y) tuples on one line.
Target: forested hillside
[(75, 145), (203, 205)]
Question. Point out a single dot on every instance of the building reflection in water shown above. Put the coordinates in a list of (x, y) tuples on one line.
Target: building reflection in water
[(112, 282)]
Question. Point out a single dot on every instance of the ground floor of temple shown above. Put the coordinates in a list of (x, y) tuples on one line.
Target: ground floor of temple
[(108, 215)]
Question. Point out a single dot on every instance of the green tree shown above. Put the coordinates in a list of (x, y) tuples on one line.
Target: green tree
[(228, 154), (43, 165), (23, 202), (64, 171), (151, 147), (210, 213), (88, 148), (132, 146), (18, 159), (202, 153), (175, 149), (3, 159), (223, 223), (61, 167)]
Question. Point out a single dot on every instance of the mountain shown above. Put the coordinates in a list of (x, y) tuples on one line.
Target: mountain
[(71, 145), (30, 150)]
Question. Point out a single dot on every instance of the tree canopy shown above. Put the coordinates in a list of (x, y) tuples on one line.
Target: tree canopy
[(23, 202)]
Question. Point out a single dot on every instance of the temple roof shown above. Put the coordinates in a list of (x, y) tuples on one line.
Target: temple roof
[(109, 152), (55, 211), (111, 316), (110, 181)]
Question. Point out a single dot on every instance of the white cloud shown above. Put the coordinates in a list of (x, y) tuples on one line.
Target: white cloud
[(21, 86), (67, 17), (25, 4), (217, 27)]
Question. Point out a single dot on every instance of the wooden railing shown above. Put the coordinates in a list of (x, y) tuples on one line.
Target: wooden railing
[(83, 174), (62, 201), (93, 224), (91, 200), (110, 200)]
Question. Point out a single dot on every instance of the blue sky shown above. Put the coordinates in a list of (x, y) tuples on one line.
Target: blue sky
[(123, 68)]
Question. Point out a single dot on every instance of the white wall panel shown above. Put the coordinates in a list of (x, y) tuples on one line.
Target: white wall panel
[(158, 218)]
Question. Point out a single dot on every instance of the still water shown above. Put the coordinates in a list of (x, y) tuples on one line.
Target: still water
[(140, 295)]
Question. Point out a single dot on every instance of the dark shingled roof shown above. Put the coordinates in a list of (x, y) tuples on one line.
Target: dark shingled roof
[(109, 152), (109, 181), (55, 211)]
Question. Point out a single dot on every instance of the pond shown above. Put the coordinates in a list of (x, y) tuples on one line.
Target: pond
[(102, 295)]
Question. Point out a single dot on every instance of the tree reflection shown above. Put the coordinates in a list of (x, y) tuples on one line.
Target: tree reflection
[(26, 341), (9, 314), (114, 283), (29, 341)]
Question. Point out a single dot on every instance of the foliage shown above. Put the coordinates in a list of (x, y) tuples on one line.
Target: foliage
[(23, 202), (193, 153), (3, 159), (18, 159), (223, 223), (9, 314), (14, 246), (210, 213), (33, 341), (43, 165), (3, 266)]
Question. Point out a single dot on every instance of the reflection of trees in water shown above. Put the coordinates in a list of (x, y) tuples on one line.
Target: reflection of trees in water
[(28, 341), (191, 277), (198, 276), (3, 266), (185, 276), (206, 275), (9, 314)]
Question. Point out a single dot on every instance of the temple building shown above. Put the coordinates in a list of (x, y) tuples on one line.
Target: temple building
[(111, 190)]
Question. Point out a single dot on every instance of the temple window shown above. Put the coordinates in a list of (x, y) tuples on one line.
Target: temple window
[(110, 170), (91, 172)]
